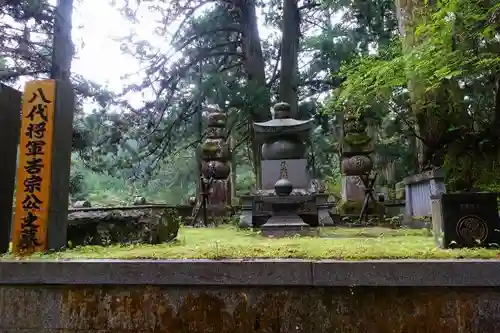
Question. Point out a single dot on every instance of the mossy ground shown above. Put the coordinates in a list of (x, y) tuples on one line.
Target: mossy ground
[(228, 242)]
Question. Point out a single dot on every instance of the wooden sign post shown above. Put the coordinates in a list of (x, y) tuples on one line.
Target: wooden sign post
[(40, 220)]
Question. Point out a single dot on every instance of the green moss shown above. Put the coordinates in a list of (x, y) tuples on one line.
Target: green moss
[(169, 227), (209, 146), (357, 139), (228, 242), (350, 207)]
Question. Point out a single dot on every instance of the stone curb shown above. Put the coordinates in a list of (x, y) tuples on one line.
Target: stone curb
[(327, 273)]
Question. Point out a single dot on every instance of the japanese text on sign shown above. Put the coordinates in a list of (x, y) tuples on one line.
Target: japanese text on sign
[(33, 174)]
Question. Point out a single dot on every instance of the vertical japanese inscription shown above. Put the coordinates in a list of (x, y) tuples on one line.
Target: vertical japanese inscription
[(34, 168), (283, 170)]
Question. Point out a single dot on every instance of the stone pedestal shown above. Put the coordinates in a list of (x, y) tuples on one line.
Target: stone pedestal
[(352, 189), (289, 226), (285, 222), (353, 195), (245, 221), (324, 207)]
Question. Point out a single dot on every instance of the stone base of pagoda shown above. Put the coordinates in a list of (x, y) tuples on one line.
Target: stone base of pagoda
[(287, 225)]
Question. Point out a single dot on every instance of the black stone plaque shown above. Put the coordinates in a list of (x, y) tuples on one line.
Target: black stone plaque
[(10, 124), (470, 220)]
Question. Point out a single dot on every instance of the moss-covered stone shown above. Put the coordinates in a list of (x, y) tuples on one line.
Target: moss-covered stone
[(168, 228), (107, 227), (350, 207), (357, 139), (400, 191)]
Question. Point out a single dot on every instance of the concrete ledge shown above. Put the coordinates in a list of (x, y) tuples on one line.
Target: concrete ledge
[(373, 273)]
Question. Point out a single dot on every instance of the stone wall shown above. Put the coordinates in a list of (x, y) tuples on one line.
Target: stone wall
[(249, 296)]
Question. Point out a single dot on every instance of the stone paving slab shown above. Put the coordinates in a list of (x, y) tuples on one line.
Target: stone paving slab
[(326, 273)]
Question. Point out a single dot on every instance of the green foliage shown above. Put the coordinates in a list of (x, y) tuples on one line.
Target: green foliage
[(455, 42), (124, 151), (77, 185), (440, 88), (334, 184)]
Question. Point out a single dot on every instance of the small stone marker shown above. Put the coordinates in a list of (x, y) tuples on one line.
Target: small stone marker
[(466, 220), (40, 221), (139, 201), (82, 204)]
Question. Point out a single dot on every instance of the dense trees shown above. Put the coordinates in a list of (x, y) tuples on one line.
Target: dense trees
[(426, 77), (441, 82)]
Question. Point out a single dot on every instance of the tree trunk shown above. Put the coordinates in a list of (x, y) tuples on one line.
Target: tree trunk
[(234, 169), (413, 164), (289, 54), (407, 20), (62, 47), (255, 68), (254, 61)]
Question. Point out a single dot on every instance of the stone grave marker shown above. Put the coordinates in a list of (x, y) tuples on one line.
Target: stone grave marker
[(465, 220)]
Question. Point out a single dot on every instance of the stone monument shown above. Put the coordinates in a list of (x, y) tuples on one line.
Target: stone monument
[(289, 202), (357, 146), (465, 220), (215, 169)]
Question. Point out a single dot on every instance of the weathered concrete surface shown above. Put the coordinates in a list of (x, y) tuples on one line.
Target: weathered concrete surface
[(156, 309), (290, 296)]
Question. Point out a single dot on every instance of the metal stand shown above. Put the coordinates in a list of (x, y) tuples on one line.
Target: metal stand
[(368, 183), (206, 184)]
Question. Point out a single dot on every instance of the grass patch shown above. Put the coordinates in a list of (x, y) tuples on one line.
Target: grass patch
[(333, 243)]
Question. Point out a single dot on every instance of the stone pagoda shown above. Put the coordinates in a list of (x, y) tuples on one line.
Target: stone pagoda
[(288, 202), (357, 164), (215, 169)]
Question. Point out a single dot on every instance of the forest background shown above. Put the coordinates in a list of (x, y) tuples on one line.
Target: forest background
[(424, 74)]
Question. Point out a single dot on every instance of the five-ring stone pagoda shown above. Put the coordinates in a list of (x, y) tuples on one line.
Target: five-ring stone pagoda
[(289, 202)]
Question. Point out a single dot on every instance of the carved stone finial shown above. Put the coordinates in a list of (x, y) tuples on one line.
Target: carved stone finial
[(282, 110)]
